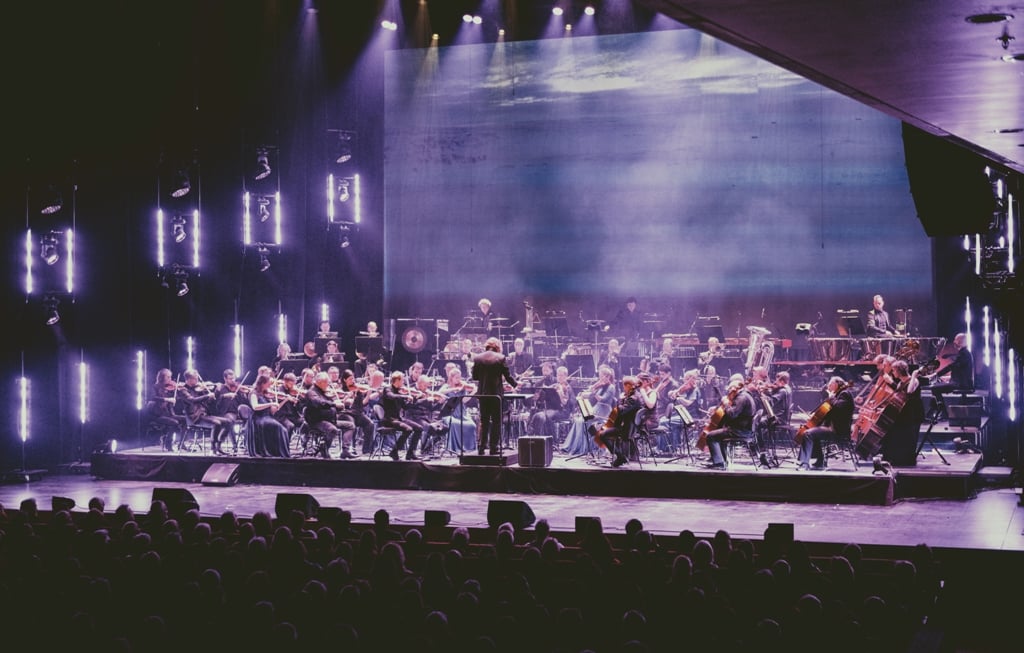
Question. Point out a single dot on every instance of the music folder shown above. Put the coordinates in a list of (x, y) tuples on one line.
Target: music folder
[(586, 408), (684, 415)]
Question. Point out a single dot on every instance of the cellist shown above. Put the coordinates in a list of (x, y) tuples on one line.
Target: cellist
[(737, 420), (835, 425)]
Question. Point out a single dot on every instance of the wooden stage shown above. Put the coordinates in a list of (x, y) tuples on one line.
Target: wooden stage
[(650, 477)]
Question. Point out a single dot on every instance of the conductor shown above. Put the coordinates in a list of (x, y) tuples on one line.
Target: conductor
[(490, 371)]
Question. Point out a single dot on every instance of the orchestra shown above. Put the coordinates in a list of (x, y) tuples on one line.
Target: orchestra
[(562, 405)]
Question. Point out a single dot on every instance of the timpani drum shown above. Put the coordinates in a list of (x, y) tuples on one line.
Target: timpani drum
[(830, 350), (871, 347)]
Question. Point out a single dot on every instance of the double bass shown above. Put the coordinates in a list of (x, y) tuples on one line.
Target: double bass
[(818, 416)]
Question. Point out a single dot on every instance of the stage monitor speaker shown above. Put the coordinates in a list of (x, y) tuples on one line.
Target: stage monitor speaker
[(964, 414), (517, 513), (952, 194), (584, 525), (535, 450), (436, 518), (221, 474), (780, 533), (304, 503), (178, 500), (61, 503)]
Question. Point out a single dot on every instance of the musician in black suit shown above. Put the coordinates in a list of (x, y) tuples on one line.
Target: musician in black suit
[(490, 372), (899, 446), (836, 425), (615, 433), (879, 325), (628, 324), (960, 370), (519, 360), (738, 421)]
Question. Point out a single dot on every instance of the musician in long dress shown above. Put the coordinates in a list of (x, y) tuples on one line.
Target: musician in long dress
[(455, 413), (602, 396), (836, 425), (899, 445), (737, 423), (265, 436)]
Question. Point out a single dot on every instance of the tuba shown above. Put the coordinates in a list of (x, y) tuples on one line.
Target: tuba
[(760, 351)]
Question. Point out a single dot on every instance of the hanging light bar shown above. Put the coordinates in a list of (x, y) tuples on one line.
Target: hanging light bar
[(357, 199), (195, 239), (967, 322), (330, 198), (277, 218), (237, 344), (140, 381), (1011, 382), (246, 220), (160, 259), (985, 335), (190, 362), (1010, 235), (23, 426), (977, 254), (997, 359), (282, 328), (69, 259), (30, 251), (83, 392)]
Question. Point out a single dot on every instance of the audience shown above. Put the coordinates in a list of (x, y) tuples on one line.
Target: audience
[(111, 581)]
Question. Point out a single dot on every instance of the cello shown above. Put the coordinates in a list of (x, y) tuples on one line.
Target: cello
[(716, 417), (818, 416)]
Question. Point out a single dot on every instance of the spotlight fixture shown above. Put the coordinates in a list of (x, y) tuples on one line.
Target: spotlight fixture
[(557, 11), (52, 201), (589, 10), (467, 18), (50, 305), (343, 193), (264, 210), (477, 20), (264, 259), (49, 249), (182, 184), (343, 147), (178, 228), (262, 165), (389, 25), (345, 242), (181, 282)]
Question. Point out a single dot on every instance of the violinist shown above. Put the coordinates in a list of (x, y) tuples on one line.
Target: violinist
[(422, 412), (836, 425), (291, 403), (199, 399), (612, 355), (737, 421), (781, 395), (393, 400), (602, 396), (322, 413), (160, 407), (616, 431), (265, 435), (454, 414), (284, 352), (230, 394), (356, 399), (553, 407)]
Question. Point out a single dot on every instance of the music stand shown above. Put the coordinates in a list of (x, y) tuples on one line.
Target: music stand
[(849, 324), (321, 343), (550, 399), (371, 346), (583, 362), (926, 436), (294, 365), (707, 330), (688, 423)]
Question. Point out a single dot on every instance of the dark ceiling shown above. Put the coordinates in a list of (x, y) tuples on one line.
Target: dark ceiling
[(920, 61)]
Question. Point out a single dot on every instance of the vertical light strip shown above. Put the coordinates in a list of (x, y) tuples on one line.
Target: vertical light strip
[(967, 321), (195, 239), (140, 380), (1011, 265), (1011, 382), (238, 349), (23, 409), (997, 359), (967, 243), (190, 361), (69, 247), (985, 335), (83, 392), (160, 238), (246, 220), (330, 198), (29, 253), (282, 328), (325, 313), (277, 218), (977, 254), (357, 198)]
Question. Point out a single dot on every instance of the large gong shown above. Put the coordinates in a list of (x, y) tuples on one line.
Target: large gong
[(414, 339)]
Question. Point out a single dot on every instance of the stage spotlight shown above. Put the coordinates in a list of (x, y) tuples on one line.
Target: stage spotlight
[(49, 249), (343, 147), (345, 242), (52, 201), (50, 305), (477, 20), (178, 228), (181, 283), (182, 184), (467, 18), (343, 193), (264, 259), (557, 11), (389, 25), (264, 210), (589, 10), (262, 165)]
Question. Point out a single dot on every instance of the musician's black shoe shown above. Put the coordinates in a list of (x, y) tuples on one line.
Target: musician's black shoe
[(764, 461), (714, 466), (394, 454), (495, 452), (803, 467), (818, 466), (619, 461), (480, 452), (411, 456)]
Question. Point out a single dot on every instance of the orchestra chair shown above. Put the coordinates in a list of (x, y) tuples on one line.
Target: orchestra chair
[(158, 432), (245, 415), (383, 436), (196, 432), (640, 439), (310, 441), (753, 449), (839, 448)]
